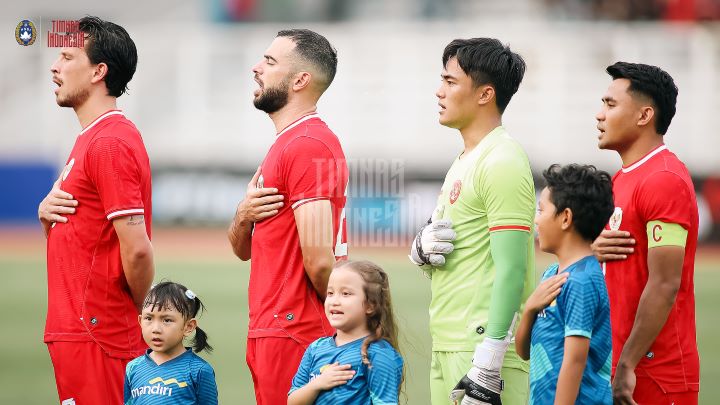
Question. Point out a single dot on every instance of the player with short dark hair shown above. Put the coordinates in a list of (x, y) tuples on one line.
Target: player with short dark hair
[(565, 327), (650, 282), (291, 223), (487, 202), (97, 222)]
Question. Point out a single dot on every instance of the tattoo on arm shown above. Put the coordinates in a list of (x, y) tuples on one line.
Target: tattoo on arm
[(136, 220)]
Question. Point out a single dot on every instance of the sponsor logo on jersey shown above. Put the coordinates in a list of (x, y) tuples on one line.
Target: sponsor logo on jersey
[(158, 387), (25, 33), (455, 192)]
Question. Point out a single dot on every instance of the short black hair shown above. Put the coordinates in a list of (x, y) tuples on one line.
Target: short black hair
[(109, 43), (652, 82), (316, 50), (586, 191), (488, 61)]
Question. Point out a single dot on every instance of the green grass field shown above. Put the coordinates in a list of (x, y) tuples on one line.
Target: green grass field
[(26, 375)]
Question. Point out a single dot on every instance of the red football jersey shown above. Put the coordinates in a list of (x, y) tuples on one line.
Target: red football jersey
[(306, 163), (108, 173), (657, 187)]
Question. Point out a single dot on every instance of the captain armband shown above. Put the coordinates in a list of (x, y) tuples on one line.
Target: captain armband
[(665, 234)]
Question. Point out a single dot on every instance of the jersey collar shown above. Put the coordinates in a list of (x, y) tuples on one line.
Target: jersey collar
[(100, 118), (645, 159), (298, 122)]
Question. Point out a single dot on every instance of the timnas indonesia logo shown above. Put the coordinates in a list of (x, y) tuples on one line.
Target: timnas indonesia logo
[(25, 33), (65, 34), (157, 386)]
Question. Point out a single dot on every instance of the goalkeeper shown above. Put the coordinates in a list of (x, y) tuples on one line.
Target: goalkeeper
[(478, 247)]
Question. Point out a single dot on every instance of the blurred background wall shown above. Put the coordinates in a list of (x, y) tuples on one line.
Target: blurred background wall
[(191, 94)]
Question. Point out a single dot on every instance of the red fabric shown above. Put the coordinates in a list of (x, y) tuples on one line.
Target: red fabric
[(85, 374), (658, 189), (88, 296), (305, 162), (273, 363), (648, 392)]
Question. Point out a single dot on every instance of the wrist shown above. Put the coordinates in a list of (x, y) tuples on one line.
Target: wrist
[(490, 354)]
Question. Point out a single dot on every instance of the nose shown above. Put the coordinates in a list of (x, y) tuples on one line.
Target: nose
[(600, 116), (54, 69), (256, 69), (155, 327), (439, 93)]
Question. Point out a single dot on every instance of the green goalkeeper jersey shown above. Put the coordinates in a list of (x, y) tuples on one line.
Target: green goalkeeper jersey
[(488, 190)]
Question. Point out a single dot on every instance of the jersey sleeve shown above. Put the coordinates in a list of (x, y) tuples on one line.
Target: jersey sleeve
[(665, 196), (129, 368), (580, 305), (310, 171), (207, 393), (385, 375), (113, 168), (302, 376), (505, 184)]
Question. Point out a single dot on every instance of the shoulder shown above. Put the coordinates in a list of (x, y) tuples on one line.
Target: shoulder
[(383, 350), (133, 364), (549, 272), (585, 274)]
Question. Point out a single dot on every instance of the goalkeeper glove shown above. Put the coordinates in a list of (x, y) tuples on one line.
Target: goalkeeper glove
[(433, 241)]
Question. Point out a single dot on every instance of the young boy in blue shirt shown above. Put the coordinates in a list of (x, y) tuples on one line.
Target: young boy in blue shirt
[(565, 326)]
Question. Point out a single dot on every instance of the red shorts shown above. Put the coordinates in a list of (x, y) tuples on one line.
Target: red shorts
[(273, 362), (85, 375), (648, 392)]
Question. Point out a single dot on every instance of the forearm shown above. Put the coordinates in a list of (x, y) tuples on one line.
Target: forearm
[(139, 270), (303, 396), (45, 227), (522, 338), (240, 237), (655, 304), (509, 251), (569, 380), (318, 268)]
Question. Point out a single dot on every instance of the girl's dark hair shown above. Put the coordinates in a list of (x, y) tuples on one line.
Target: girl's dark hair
[(381, 321), (173, 295)]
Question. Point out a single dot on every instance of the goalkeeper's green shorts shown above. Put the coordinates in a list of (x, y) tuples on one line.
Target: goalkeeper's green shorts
[(447, 368)]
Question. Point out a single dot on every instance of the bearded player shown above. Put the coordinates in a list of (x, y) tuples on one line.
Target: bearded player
[(649, 250), (478, 247), (291, 224), (97, 222)]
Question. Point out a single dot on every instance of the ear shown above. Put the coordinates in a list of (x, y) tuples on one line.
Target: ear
[(140, 319), (566, 218), (301, 80), (101, 70), (369, 308), (646, 115), (485, 93), (190, 327)]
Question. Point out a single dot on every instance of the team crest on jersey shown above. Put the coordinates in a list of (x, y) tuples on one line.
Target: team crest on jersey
[(261, 182), (69, 401), (25, 33), (616, 219), (67, 169), (455, 192)]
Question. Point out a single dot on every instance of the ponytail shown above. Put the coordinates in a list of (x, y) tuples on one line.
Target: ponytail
[(200, 341)]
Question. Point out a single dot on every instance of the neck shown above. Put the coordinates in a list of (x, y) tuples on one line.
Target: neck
[(290, 113), (571, 250), (641, 147), (93, 107), (477, 130), (165, 356), (343, 337)]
